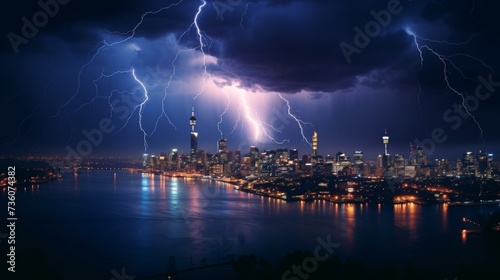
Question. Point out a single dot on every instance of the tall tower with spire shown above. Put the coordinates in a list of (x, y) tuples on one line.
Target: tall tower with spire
[(385, 139), (194, 137), (386, 158), (315, 143)]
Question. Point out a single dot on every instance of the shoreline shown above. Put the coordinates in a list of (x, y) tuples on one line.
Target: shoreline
[(457, 203), (239, 183)]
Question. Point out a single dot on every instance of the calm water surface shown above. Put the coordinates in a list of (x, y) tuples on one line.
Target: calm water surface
[(97, 221)]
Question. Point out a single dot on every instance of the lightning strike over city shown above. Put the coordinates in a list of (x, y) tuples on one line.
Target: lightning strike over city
[(250, 139), (448, 63)]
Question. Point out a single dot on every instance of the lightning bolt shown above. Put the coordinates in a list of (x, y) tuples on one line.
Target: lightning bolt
[(141, 106), (201, 37), (201, 45), (263, 129), (237, 119), (97, 96), (258, 125), (165, 90), (95, 52), (299, 122), (447, 63), (105, 45), (222, 115), (244, 14), (203, 42)]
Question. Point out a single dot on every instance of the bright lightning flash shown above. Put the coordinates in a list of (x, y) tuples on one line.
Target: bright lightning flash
[(203, 40), (261, 129), (259, 126), (146, 98)]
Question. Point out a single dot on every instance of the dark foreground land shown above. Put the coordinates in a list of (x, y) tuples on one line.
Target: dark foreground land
[(298, 265)]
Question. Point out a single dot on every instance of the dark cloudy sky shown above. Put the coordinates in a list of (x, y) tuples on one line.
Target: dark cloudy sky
[(63, 79)]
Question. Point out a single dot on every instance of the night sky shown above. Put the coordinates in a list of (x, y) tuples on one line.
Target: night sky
[(409, 75)]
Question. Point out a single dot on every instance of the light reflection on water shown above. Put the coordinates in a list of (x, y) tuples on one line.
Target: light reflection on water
[(134, 223)]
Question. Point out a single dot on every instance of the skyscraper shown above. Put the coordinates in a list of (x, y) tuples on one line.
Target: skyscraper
[(358, 157), (145, 160), (421, 157), (194, 137), (254, 155), (385, 139), (468, 164), (222, 151), (315, 143), (482, 164), (386, 158), (221, 145)]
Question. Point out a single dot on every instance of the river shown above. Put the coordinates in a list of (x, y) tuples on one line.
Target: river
[(91, 224)]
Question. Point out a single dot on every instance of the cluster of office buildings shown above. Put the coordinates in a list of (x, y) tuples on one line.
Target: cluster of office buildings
[(286, 162)]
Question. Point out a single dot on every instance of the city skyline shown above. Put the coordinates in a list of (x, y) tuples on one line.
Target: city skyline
[(426, 147), (414, 156), (402, 66), (250, 139)]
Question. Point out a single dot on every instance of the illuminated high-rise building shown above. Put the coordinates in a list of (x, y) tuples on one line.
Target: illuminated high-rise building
[(222, 145), (153, 161), (468, 164), (441, 167), (386, 157), (329, 159), (194, 137), (421, 157), (282, 156), (254, 155), (315, 143), (145, 160), (294, 154), (385, 139), (341, 157), (222, 152), (482, 164), (358, 157), (173, 159)]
